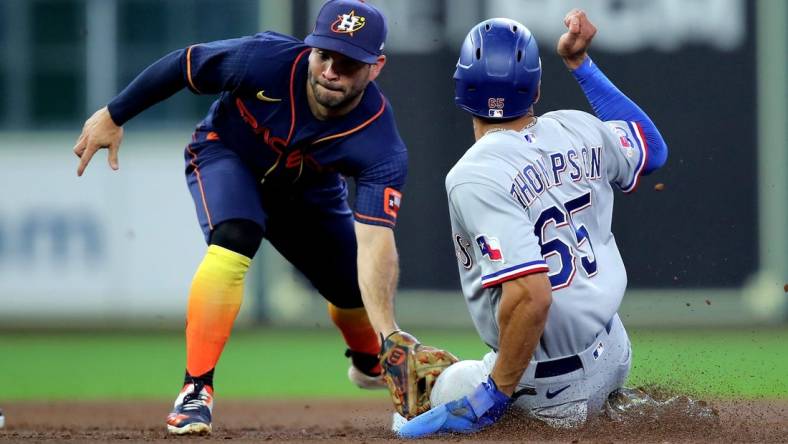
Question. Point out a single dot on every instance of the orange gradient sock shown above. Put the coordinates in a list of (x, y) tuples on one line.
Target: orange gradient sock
[(214, 300), (356, 329)]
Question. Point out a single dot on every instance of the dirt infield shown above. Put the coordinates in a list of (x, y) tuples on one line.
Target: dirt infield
[(364, 422)]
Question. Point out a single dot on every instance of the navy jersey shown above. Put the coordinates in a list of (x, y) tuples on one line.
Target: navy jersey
[(263, 115)]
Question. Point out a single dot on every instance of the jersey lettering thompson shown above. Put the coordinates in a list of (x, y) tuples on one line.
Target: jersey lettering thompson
[(541, 200)]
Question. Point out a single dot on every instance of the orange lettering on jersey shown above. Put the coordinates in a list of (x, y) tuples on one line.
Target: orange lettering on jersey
[(245, 113), (294, 159), (277, 144)]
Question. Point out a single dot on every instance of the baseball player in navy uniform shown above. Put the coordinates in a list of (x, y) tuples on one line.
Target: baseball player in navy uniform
[(531, 205), (292, 120)]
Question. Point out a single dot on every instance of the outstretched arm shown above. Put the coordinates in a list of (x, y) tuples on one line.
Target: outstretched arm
[(608, 102), (103, 129), (378, 271), (205, 68), (157, 82)]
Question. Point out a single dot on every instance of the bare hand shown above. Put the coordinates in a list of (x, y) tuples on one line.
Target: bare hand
[(573, 44), (98, 132)]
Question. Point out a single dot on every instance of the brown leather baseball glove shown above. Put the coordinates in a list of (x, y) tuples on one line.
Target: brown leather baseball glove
[(410, 369)]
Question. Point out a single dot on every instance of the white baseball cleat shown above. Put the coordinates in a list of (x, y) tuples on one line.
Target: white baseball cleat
[(364, 381)]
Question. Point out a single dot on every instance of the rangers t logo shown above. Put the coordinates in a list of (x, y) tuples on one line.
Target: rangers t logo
[(348, 23), (490, 247), (623, 139)]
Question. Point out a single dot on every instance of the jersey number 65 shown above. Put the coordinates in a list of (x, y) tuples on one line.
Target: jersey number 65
[(562, 217)]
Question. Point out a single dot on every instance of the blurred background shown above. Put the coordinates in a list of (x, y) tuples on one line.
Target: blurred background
[(115, 251)]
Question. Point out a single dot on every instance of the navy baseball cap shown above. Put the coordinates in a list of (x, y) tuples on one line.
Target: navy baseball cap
[(350, 27)]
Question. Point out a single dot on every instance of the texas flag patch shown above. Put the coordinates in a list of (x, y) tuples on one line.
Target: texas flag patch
[(490, 247)]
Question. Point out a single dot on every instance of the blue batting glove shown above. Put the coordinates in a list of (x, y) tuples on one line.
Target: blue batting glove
[(484, 407)]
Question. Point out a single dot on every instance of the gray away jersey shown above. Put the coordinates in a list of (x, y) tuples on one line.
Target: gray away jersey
[(540, 200)]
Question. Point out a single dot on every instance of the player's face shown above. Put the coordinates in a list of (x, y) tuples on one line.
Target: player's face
[(336, 80)]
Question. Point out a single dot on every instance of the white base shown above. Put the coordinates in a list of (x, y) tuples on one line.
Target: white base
[(397, 421)]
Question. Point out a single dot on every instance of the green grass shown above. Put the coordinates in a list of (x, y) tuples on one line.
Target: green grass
[(309, 363)]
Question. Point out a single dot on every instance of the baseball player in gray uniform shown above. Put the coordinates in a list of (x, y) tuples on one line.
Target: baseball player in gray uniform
[(531, 204)]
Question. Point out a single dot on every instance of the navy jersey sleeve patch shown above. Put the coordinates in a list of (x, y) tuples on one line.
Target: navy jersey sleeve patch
[(392, 200), (379, 191), (374, 154)]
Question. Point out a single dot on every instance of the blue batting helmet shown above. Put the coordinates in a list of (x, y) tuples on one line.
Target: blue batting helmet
[(498, 71)]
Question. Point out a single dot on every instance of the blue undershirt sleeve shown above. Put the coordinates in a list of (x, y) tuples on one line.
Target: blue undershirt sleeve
[(157, 82), (609, 103)]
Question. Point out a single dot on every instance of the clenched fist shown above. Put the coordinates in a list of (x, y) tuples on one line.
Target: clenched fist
[(573, 44)]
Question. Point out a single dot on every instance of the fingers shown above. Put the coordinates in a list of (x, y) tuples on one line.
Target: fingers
[(79, 147), (574, 25), (84, 159), (98, 132), (590, 29), (112, 157), (569, 40), (90, 150), (574, 20), (569, 15), (585, 27)]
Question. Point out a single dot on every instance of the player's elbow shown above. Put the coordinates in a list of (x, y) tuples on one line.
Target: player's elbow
[(657, 153), (541, 302), (658, 156), (531, 294), (662, 155)]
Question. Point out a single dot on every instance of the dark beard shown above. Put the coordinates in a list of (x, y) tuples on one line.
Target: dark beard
[(332, 103)]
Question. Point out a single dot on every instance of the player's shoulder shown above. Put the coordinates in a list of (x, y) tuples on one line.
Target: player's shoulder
[(275, 46), (462, 172), (483, 163), (276, 38), (385, 124), (269, 58), (373, 144), (581, 124), (571, 116), (375, 123)]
